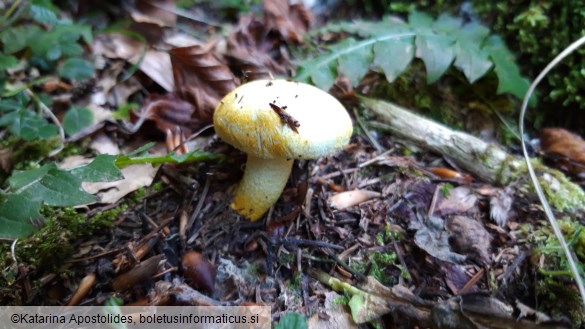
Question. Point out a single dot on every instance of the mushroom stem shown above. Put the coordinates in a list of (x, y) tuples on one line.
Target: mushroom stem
[(261, 186)]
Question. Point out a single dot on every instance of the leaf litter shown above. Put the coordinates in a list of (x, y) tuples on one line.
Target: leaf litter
[(436, 244)]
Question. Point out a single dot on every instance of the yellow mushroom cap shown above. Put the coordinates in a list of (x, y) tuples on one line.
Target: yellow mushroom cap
[(245, 119)]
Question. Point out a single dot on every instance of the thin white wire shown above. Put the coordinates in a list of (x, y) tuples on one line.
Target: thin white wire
[(547, 210)]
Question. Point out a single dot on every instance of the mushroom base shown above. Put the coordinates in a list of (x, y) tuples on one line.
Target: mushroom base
[(261, 186)]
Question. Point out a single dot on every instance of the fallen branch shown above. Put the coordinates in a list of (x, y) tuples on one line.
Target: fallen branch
[(486, 161)]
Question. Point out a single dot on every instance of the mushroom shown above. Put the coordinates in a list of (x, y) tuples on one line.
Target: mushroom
[(275, 122)]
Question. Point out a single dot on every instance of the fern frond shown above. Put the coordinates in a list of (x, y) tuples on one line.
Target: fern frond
[(390, 45)]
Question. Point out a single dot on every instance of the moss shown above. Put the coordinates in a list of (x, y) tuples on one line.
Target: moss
[(446, 190), (536, 31), (45, 250), (558, 299), (53, 242)]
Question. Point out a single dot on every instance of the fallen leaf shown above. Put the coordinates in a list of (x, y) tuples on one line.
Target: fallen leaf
[(151, 11), (169, 112), (434, 239), (252, 52), (291, 21), (460, 200), (135, 177), (564, 148), (469, 237), (351, 198), (201, 79), (200, 272), (336, 316), (154, 63), (446, 173)]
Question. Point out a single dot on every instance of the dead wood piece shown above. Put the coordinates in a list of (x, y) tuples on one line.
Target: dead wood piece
[(141, 273), (489, 162)]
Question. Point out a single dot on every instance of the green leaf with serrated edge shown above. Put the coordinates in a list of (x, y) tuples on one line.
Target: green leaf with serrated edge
[(471, 61), (76, 69), (43, 11), (320, 70), (439, 43), (355, 64), (472, 33), (76, 119), (436, 51), (7, 61), (292, 321), (509, 78), (447, 24), (15, 39), (101, 169), (18, 216), (393, 56), (51, 185)]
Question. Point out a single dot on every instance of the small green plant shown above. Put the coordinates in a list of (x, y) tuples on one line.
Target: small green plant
[(292, 321), (34, 38), (52, 186), (390, 45)]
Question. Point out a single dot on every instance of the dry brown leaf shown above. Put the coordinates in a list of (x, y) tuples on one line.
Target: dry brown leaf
[(155, 64), (169, 112), (460, 200), (291, 21), (333, 316), (251, 51), (469, 237), (351, 198), (151, 11), (201, 79), (565, 149), (446, 173)]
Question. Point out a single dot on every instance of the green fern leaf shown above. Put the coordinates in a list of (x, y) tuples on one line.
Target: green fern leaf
[(391, 44), (437, 52)]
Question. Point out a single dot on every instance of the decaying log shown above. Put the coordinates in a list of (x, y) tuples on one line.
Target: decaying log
[(486, 161)]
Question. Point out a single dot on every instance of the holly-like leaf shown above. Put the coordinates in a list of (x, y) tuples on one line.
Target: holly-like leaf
[(76, 119), (50, 185), (76, 69), (101, 169), (19, 216)]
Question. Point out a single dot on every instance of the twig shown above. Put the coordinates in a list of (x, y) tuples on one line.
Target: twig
[(197, 210), (369, 136), (348, 268), (312, 243)]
